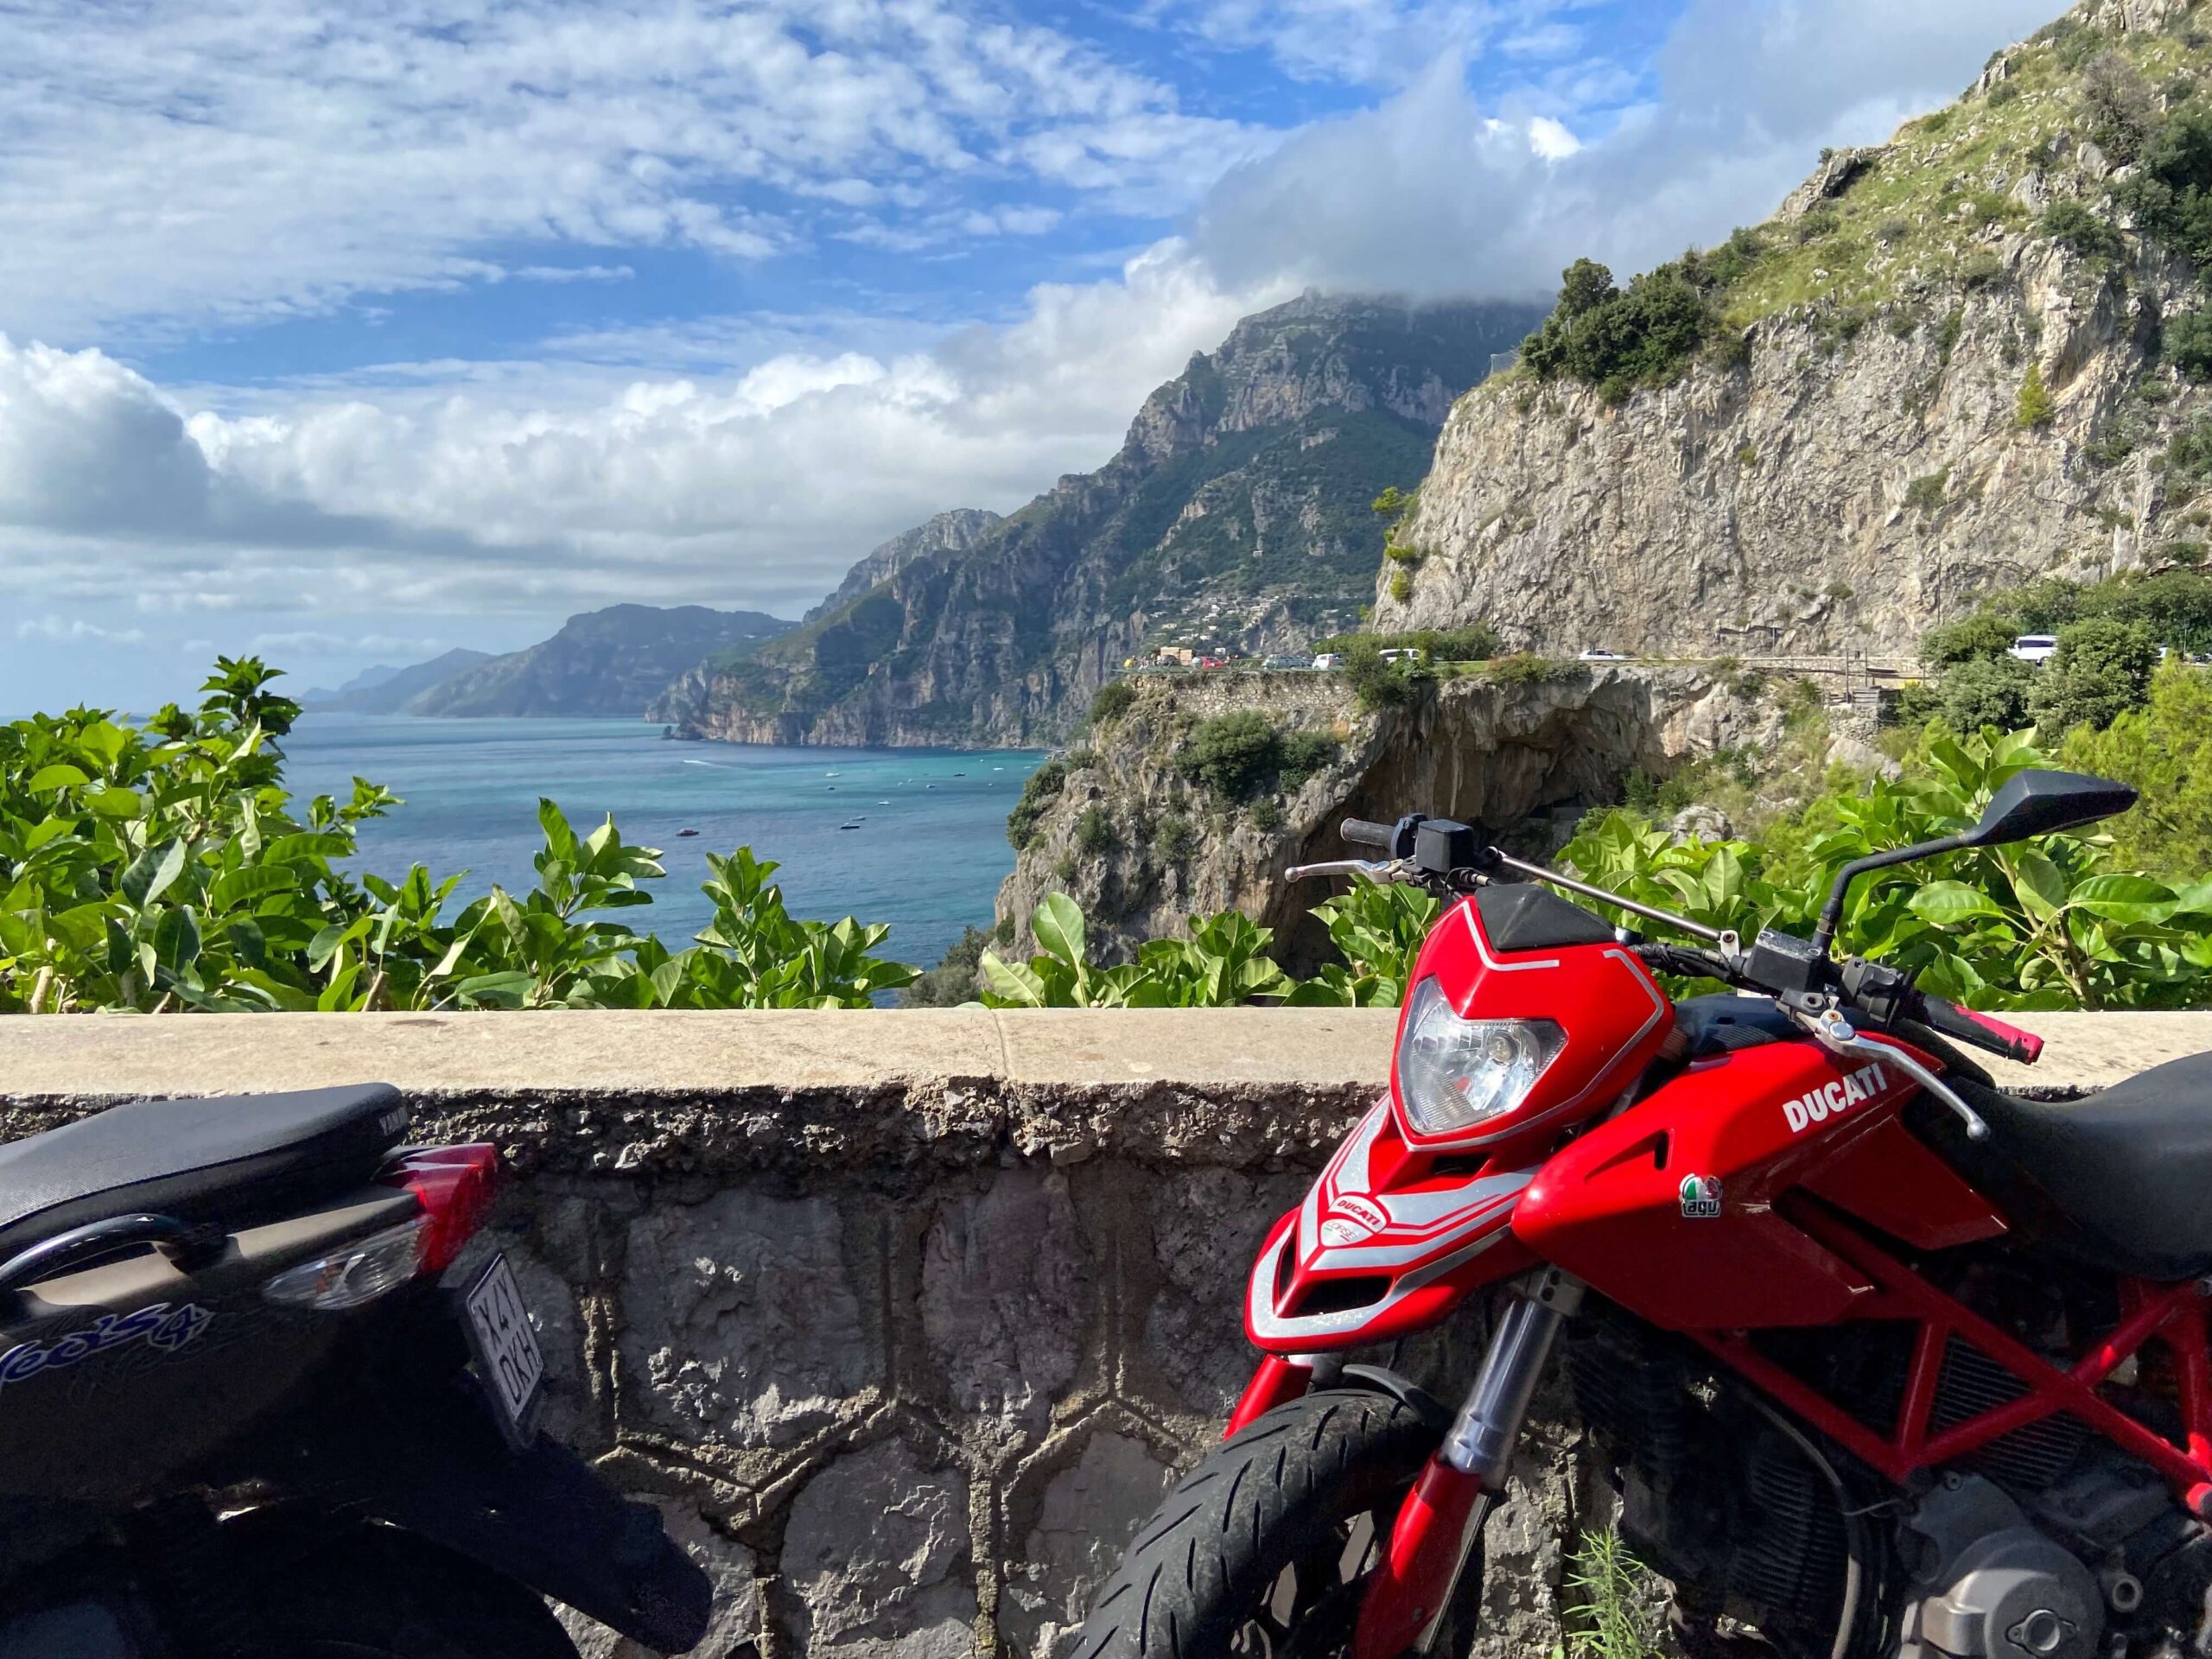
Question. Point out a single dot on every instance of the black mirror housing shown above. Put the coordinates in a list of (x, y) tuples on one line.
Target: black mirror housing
[(2038, 802)]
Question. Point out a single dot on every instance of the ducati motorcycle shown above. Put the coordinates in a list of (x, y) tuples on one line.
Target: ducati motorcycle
[(244, 1416), (1881, 1360)]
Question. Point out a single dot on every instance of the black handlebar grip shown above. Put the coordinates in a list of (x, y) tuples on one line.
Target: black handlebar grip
[(1362, 832)]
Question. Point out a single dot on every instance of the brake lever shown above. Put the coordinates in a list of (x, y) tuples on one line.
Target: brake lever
[(1380, 871), (1838, 1035)]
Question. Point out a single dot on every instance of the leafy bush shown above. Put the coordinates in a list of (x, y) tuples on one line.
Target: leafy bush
[(1523, 668), (1378, 931), (1175, 839), (2101, 668), (166, 868), (1986, 634), (2054, 923), (1926, 492), (958, 977), (2171, 192), (1223, 964), (1983, 269), (1986, 691), (2035, 410), (2164, 749), (1646, 334), (1377, 684), (1238, 755), (2188, 344), (2067, 222), (2119, 105), (1095, 832), (1037, 794), (1114, 700)]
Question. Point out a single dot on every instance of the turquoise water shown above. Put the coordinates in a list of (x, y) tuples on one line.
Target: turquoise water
[(927, 858)]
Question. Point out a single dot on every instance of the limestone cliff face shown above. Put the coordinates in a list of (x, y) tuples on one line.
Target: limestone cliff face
[(1235, 509), (1863, 472), (949, 532), (1522, 761)]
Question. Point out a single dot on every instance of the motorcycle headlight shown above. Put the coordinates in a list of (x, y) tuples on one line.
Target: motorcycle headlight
[(1455, 1074)]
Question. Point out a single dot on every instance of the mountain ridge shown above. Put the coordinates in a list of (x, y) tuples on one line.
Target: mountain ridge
[(1236, 505)]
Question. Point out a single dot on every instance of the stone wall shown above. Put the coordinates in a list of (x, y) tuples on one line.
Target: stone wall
[(904, 1319)]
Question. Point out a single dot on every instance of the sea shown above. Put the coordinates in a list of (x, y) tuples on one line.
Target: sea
[(925, 850)]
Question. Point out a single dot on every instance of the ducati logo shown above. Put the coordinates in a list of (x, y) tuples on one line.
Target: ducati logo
[(1830, 1099), (1351, 1218), (1701, 1197)]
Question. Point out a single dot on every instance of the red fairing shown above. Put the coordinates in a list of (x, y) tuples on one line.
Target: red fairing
[(1401, 1227), (1613, 1014), (1669, 1209)]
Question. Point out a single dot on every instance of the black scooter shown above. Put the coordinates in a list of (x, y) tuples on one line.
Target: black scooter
[(241, 1417)]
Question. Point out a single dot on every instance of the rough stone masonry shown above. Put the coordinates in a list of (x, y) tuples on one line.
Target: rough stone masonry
[(905, 1320)]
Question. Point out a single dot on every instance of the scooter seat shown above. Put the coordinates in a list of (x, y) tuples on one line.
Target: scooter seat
[(230, 1159), (2122, 1178)]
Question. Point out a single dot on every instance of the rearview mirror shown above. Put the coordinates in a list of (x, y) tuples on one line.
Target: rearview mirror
[(2043, 803)]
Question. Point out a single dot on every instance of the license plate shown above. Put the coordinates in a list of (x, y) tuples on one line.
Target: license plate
[(507, 1348)]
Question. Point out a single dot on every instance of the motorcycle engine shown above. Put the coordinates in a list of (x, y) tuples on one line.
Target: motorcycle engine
[(2049, 1544)]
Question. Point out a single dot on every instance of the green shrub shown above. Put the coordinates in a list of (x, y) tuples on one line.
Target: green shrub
[(1038, 795), (2101, 668), (2067, 222), (1523, 668), (2188, 344), (2035, 410), (1645, 334), (1983, 269), (2120, 105), (1986, 691), (1925, 493), (1094, 830), (1986, 634), (958, 977), (2171, 192), (1174, 838), (1377, 684), (2164, 749), (1238, 755), (1267, 815), (1114, 700), (1401, 586)]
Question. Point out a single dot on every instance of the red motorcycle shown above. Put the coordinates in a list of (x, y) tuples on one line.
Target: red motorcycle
[(1881, 1361)]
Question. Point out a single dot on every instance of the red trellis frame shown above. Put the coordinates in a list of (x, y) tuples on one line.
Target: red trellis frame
[(2174, 1314)]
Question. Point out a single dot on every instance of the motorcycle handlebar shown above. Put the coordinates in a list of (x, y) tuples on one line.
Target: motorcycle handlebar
[(1977, 1030), (1365, 832)]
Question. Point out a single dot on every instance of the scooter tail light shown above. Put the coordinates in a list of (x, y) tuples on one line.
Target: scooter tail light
[(361, 1272), (456, 1186)]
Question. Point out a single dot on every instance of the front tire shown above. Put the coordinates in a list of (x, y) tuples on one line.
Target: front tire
[(1263, 1550)]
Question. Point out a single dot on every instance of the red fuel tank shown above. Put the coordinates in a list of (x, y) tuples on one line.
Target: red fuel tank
[(1669, 1209)]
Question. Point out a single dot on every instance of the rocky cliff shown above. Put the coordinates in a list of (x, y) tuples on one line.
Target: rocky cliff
[(1859, 453), (949, 532), (614, 662), (1237, 509), (1140, 845)]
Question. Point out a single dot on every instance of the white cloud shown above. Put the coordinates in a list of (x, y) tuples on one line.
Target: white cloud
[(1430, 194), (77, 630), (1373, 42), (570, 488), (172, 161)]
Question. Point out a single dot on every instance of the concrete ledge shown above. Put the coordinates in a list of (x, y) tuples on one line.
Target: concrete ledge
[(560, 1056)]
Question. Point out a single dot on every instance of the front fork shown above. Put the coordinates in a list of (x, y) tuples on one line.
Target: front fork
[(1406, 1598)]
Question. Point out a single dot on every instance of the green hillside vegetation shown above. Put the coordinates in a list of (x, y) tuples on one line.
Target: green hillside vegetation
[(1921, 224)]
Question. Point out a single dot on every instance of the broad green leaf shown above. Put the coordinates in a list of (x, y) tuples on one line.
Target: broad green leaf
[(152, 873), (110, 801), (1948, 903), (1058, 924), (61, 775), (1013, 983)]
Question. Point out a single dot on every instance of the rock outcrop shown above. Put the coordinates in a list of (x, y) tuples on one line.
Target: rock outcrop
[(949, 532), (1141, 847), (1236, 510), (387, 690), (1844, 471), (614, 662)]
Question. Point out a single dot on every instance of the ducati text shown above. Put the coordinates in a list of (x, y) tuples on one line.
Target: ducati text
[(1818, 1105)]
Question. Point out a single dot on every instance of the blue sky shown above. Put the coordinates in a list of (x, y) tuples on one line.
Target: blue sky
[(353, 334)]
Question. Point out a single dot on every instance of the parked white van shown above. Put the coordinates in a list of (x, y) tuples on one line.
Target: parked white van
[(2034, 648)]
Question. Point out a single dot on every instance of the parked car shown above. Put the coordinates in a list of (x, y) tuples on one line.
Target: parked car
[(1405, 654), (1599, 654), (1328, 660), (2034, 648)]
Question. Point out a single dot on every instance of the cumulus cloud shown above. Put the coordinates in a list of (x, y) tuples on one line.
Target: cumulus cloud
[(1429, 192), (174, 160), (757, 487)]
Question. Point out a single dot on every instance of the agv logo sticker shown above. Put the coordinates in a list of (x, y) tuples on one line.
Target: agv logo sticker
[(1818, 1105), (1701, 1197)]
